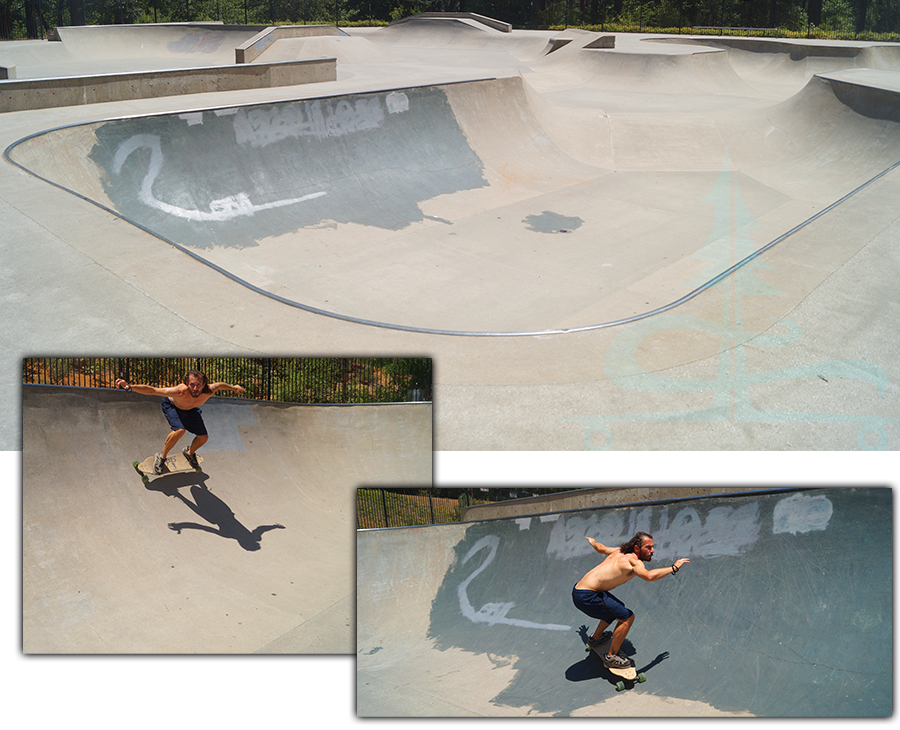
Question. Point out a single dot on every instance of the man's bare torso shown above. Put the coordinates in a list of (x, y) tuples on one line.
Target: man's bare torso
[(616, 569), (185, 401)]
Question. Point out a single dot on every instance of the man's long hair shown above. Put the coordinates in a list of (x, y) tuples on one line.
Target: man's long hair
[(638, 539), (200, 375)]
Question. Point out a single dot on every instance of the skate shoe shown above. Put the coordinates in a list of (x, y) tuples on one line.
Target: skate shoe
[(617, 661), (191, 459)]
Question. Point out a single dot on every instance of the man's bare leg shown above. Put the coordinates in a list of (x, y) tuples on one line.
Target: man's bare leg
[(619, 634), (171, 440), (599, 632), (197, 443), (191, 451)]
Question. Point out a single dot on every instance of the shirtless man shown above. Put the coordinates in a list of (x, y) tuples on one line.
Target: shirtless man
[(592, 596), (180, 405)]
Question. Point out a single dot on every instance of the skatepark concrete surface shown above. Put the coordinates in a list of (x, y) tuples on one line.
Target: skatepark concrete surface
[(253, 555), (673, 243), (769, 618)]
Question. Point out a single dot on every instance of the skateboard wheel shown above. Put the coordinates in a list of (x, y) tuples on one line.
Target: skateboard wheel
[(620, 686), (642, 678)]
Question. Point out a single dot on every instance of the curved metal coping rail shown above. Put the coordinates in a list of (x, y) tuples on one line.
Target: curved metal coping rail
[(427, 330)]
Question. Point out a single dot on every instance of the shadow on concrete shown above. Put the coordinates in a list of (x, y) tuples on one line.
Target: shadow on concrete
[(210, 508), (591, 667)]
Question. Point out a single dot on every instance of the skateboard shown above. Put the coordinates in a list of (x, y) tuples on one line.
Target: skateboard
[(175, 464), (628, 674)]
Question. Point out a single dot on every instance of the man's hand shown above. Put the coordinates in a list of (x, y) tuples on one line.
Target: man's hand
[(679, 563), (600, 547), (123, 384)]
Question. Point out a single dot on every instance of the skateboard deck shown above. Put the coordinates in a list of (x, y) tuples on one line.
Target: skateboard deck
[(629, 673), (175, 464)]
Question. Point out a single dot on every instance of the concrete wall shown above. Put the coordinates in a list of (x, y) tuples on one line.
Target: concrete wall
[(22, 94), (587, 499), (477, 619), (484, 20), (252, 49)]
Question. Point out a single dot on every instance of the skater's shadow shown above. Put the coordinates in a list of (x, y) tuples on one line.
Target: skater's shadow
[(592, 668), (210, 508)]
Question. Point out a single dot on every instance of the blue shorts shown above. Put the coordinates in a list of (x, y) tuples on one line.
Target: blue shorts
[(188, 420), (601, 605)]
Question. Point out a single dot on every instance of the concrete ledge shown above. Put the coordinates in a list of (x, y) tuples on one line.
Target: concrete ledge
[(22, 94), (484, 20), (588, 499), (251, 50), (59, 33), (604, 41), (7, 72), (797, 49)]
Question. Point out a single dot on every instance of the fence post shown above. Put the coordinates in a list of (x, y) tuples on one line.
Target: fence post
[(384, 507)]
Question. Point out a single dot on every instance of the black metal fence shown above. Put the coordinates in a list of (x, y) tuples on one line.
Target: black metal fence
[(406, 506), (291, 380), (849, 19)]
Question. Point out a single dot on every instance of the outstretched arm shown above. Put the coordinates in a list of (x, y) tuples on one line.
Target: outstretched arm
[(651, 575), (225, 386), (600, 547), (148, 389)]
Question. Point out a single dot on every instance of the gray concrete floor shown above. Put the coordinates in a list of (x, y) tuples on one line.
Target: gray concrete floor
[(253, 555)]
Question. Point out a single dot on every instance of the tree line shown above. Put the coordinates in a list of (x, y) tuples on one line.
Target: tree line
[(292, 380), (877, 19)]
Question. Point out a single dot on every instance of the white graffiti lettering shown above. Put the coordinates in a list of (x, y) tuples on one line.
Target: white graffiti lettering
[(262, 126), (725, 531), (397, 102), (802, 513)]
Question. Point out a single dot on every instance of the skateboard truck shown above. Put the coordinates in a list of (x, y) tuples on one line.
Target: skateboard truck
[(628, 674)]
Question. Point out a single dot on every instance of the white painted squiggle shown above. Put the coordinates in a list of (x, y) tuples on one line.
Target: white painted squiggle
[(802, 513), (492, 613), (219, 210)]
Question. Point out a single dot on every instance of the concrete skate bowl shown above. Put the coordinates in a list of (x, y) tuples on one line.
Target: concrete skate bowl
[(769, 618), (253, 555), (477, 208), (702, 71), (80, 50), (779, 63)]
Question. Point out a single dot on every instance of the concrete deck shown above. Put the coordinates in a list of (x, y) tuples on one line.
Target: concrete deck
[(523, 209), (477, 619), (252, 556)]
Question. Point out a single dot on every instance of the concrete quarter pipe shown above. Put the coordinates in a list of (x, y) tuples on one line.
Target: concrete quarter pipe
[(773, 617), (254, 555)]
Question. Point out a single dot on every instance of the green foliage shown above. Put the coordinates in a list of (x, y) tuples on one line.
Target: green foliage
[(882, 21), (404, 506), (837, 16), (403, 509), (291, 380)]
